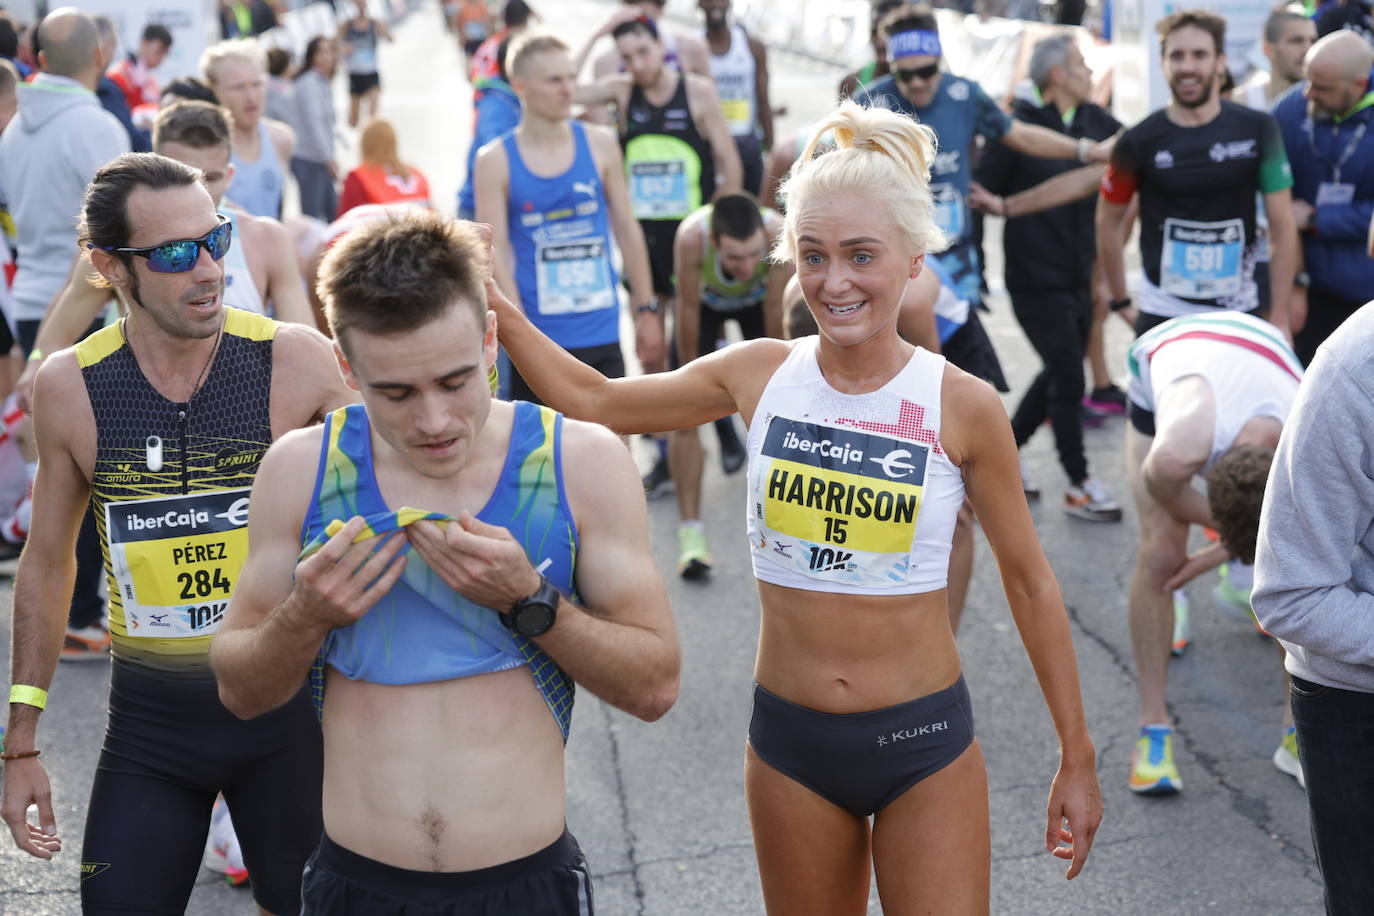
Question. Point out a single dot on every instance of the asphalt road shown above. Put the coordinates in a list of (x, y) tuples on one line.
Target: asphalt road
[(660, 808)]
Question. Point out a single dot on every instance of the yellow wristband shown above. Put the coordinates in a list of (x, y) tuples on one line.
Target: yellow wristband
[(29, 696), (494, 377), (35, 355)]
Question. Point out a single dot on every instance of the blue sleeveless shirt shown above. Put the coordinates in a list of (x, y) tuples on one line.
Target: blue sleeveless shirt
[(422, 630), (561, 237), (257, 186)]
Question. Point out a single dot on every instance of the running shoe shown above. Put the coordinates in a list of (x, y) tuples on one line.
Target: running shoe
[(1107, 400), (222, 853), (1232, 601), (1093, 501), (1091, 418), (86, 644), (1152, 762), (693, 559), (732, 454), (659, 481), (1286, 756), (1028, 486), (1182, 631)]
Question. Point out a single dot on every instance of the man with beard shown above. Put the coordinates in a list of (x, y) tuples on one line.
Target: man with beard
[(1326, 130), (1197, 165), (1287, 36)]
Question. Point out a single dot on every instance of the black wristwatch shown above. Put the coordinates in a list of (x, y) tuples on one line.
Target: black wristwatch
[(535, 615), (1117, 305)]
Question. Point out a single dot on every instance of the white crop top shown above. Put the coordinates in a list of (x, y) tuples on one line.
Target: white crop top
[(851, 493)]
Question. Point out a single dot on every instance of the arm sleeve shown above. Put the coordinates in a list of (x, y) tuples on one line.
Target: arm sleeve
[(1274, 171), (1120, 180), (1318, 507), (991, 122)]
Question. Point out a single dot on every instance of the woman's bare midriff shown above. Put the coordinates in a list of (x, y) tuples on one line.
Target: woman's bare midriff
[(443, 777), (841, 653)]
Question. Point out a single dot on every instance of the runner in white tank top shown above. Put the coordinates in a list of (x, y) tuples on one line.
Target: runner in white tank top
[(861, 448), (1208, 397)]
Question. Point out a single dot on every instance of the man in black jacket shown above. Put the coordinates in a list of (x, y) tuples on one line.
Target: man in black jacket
[(1049, 265)]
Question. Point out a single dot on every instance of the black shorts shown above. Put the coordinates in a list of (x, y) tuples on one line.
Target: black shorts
[(363, 83), (863, 761), (712, 329), (970, 349), (608, 359), (658, 238), (551, 882), (751, 159), (169, 748)]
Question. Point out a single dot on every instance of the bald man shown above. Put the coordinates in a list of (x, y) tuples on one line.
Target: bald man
[(48, 154), (1326, 130)]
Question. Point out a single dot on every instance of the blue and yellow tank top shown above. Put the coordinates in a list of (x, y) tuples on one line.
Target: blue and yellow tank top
[(170, 488), (422, 630)]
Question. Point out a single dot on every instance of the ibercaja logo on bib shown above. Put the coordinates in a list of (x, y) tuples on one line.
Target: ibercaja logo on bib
[(176, 559), (850, 498)]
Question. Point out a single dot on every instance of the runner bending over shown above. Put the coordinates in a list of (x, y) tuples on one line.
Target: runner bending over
[(858, 462)]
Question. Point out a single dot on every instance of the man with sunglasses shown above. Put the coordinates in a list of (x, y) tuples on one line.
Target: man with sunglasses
[(958, 110), (159, 423)]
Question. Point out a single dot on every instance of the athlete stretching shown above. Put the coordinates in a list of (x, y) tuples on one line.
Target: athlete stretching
[(159, 422), (861, 448), (452, 664)]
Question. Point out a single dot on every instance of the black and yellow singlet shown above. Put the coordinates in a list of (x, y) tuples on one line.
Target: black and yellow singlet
[(173, 520)]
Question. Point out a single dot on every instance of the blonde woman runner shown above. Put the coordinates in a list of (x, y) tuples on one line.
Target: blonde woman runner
[(861, 750)]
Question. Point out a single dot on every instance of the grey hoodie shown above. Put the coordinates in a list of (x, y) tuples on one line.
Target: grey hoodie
[(48, 155), (1314, 566)]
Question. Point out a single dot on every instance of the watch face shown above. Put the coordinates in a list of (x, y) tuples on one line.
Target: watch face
[(533, 619)]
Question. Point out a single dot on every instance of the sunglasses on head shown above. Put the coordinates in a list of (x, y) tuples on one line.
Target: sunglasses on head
[(929, 70), (180, 256)]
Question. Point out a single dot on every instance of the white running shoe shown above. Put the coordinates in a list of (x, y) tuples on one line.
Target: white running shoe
[(1093, 501), (222, 853)]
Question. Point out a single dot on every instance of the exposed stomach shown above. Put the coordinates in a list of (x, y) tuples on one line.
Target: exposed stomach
[(442, 777), (841, 653)]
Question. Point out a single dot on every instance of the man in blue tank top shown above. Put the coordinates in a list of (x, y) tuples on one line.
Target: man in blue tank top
[(553, 190), (449, 634)]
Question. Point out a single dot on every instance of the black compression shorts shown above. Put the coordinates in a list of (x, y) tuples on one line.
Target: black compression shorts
[(170, 747), (712, 330), (551, 882)]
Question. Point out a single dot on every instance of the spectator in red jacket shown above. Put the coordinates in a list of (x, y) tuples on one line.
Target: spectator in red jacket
[(383, 178)]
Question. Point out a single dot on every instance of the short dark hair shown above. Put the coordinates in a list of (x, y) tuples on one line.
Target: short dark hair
[(735, 215), (1235, 493), (9, 78), (640, 24), (188, 87), (105, 204), (1210, 23), (9, 36), (800, 321), (1281, 16), (157, 32), (395, 274), (278, 61), (516, 14), (907, 18), (196, 124)]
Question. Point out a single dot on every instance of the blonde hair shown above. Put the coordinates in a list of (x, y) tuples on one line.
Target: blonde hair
[(525, 46), (878, 153), (377, 146), (233, 49)]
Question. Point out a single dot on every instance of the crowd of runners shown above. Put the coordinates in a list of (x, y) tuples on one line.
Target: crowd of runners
[(357, 477)]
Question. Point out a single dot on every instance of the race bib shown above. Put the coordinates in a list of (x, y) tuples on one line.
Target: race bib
[(574, 277), (949, 211), (1201, 260), (838, 504), (738, 115), (176, 560), (658, 190)]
